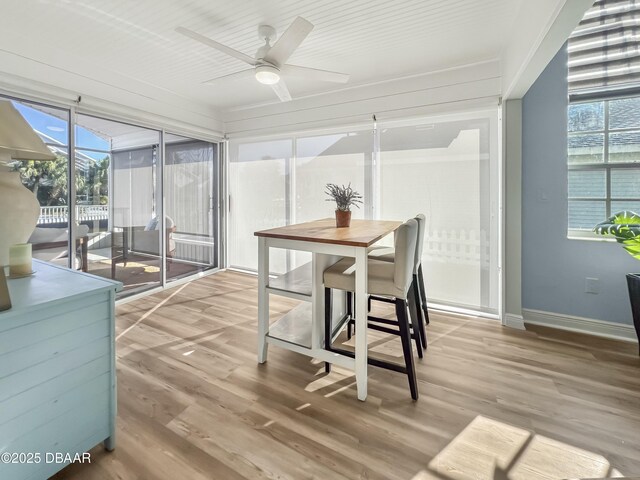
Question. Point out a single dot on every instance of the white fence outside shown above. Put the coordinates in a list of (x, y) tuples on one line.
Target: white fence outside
[(60, 214), (457, 247)]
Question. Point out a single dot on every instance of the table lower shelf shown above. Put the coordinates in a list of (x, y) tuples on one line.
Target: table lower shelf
[(293, 284), (295, 326)]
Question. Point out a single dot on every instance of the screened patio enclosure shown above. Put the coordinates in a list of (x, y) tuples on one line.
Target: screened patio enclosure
[(142, 208)]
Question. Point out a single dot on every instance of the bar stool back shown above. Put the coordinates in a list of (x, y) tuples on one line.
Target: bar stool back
[(418, 281), (389, 280), (406, 239)]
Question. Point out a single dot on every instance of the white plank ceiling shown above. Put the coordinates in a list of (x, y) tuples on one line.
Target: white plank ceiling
[(133, 44)]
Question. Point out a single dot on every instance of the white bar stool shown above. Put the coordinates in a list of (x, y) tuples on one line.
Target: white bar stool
[(388, 255), (392, 280)]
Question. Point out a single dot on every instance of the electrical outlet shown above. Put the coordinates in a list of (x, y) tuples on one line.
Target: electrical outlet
[(542, 195), (591, 285)]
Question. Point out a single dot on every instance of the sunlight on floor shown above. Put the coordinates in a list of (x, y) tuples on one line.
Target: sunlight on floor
[(150, 311), (336, 378), (489, 449), (483, 445)]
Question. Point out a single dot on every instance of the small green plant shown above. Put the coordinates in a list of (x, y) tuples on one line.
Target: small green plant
[(344, 197), (625, 228)]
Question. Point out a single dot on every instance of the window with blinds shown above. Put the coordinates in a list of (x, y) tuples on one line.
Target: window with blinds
[(604, 51), (603, 118)]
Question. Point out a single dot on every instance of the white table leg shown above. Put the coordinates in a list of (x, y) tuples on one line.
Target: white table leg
[(317, 296), (361, 322), (263, 298), (322, 261)]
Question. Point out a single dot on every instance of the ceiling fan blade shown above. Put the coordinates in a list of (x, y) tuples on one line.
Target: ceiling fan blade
[(233, 76), (282, 91), (289, 41), (314, 74), (218, 46)]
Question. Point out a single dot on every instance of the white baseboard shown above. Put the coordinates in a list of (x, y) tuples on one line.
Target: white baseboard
[(589, 326), (514, 321)]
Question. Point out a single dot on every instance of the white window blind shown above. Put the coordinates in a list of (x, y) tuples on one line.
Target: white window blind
[(446, 168), (604, 51)]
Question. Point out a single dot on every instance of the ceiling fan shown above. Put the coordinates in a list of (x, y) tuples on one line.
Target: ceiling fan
[(269, 64)]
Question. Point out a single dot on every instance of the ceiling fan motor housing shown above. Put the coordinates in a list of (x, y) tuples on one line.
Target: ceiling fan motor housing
[(267, 74)]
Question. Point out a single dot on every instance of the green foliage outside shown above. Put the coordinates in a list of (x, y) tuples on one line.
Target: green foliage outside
[(49, 181)]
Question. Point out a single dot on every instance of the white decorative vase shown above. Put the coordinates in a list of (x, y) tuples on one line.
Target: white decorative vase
[(19, 212)]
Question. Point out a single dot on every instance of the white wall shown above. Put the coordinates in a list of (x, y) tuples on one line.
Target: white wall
[(457, 89)]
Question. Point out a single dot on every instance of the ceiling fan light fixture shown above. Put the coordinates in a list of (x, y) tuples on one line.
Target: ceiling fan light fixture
[(267, 74)]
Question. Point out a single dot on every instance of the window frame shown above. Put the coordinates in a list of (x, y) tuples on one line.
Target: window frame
[(605, 165)]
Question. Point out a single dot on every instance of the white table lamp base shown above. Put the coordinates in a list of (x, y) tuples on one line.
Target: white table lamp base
[(19, 212)]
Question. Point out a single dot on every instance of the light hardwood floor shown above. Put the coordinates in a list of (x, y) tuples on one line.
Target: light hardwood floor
[(494, 402)]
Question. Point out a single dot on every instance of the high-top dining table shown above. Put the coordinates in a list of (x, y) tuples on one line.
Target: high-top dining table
[(302, 329)]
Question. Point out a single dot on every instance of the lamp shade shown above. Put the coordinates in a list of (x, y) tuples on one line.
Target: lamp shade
[(18, 141)]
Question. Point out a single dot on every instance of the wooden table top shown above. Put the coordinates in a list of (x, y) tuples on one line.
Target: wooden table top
[(361, 233)]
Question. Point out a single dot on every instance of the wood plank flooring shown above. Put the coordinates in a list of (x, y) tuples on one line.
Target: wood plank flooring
[(494, 403)]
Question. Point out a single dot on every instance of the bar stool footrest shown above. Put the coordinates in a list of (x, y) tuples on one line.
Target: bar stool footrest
[(373, 361), (382, 299), (386, 321)]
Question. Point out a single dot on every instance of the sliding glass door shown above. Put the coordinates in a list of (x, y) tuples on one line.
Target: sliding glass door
[(259, 189), (283, 181), (191, 204), (341, 158), (445, 168), (119, 201), (109, 219), (48, 181)]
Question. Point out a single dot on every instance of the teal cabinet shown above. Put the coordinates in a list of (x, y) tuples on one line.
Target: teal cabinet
[(57, 370)]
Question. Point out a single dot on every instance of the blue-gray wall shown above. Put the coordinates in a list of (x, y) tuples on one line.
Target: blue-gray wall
[(554, 268)]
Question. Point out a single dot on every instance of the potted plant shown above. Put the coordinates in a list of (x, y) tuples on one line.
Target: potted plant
[(625, 228), (344, 197)]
